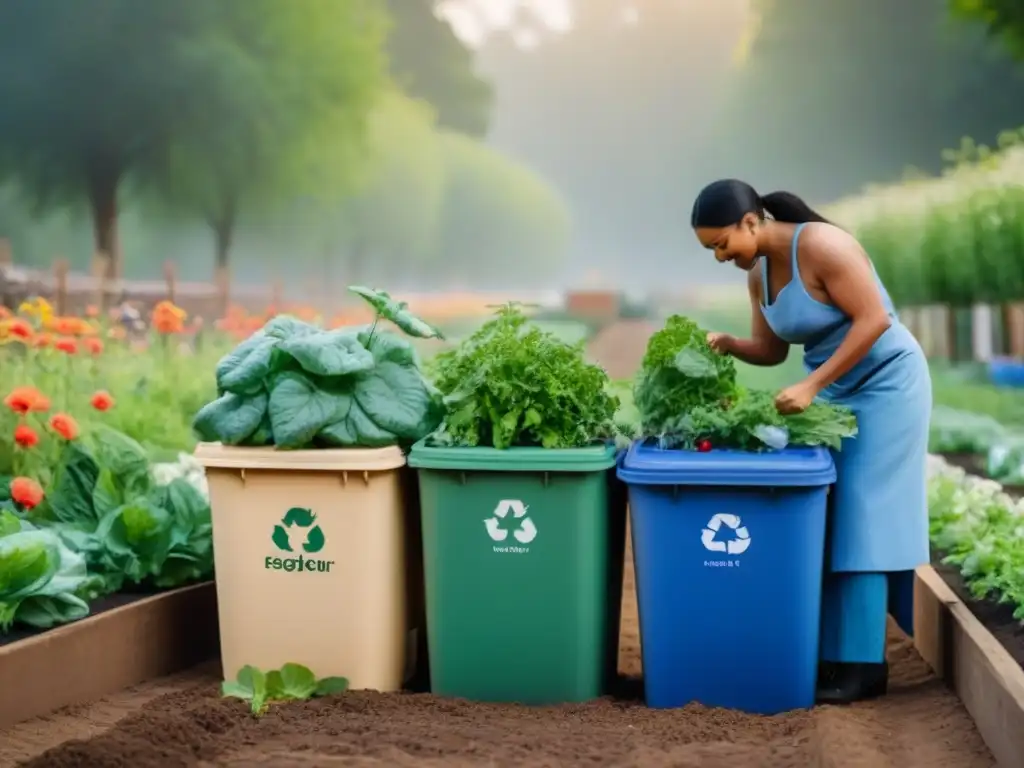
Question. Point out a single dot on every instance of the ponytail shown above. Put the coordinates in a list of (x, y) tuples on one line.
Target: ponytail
[(790, 209)]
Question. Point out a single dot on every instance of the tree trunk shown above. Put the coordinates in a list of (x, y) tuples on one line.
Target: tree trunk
[(223, 234), (103, 206)]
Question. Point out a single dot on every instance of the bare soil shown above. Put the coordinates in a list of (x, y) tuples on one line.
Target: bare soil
[(182, 722)]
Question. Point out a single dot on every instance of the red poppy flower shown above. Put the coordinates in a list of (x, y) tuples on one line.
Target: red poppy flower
[(64, 425), (25, 436), (102, 401), (93, 345), (66, 344), (26, 492), (24, 399)]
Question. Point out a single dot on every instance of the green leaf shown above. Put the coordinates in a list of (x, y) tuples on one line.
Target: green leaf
[(299, 408), (71, 496), (330, 686), (285, 327), (398, 400), (390, 347), (329, 353), (356, 430), (107, 495), (230, 419), (249, 685), (396, 312), (122, 455), (243, 369), (298, 682)]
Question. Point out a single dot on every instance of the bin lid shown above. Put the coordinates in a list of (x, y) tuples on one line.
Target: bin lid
[(219, 456), (647, 464), (595, 458)]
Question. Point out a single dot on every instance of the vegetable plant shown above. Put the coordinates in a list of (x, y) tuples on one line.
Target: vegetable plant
[(294, 385), (293, 682), (42, 581), (686, 396), (513, 384)]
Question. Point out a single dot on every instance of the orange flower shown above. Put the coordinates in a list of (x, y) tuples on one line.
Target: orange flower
[(25, 436), (24, 399), (64, 425), (26, 492), (43, 340), (168, 318), (5, 312), (16, 327), (93, 345), (92, 311), (102, 401), (66, 344), (68, 326)]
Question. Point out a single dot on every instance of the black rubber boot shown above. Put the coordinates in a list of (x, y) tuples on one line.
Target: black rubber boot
[(847, 683)]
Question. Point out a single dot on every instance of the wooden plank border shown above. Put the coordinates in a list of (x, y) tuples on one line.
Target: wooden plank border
[(102, 654), (976, 666)]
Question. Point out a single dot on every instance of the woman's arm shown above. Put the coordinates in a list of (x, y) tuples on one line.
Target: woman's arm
[(845, 272), (763, 347)]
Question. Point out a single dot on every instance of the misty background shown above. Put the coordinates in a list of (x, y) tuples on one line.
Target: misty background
[(464, 143)]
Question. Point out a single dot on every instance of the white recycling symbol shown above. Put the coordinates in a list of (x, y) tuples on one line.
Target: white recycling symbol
[(736, 546), (524, 534)]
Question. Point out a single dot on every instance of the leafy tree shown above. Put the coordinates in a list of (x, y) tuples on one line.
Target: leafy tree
[(392, 216), (290, 86), (832, 96), (430, 62), (93, 93), (501, 223), (1003, 18)]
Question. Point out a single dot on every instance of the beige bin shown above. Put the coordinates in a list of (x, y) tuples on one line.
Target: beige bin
[(333, 593)]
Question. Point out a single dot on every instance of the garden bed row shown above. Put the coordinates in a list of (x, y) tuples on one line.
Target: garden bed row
[(128, 639)]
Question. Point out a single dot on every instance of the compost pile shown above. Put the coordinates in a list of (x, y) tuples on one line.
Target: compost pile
[(514, 384), (687, 397)]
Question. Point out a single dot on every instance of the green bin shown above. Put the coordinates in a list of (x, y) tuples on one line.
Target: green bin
[(523, 552)]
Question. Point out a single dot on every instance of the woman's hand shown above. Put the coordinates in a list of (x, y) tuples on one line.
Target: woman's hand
[(797, 398), (721, 342)]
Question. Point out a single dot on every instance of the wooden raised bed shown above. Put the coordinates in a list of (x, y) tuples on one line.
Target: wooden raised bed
[(982, 673), (137, 638)]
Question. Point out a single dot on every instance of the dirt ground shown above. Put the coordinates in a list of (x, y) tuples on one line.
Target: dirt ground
[(181, 722)]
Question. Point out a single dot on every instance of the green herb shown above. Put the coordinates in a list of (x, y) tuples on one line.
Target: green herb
[(514, 384), (293, 682), (294, 385), (680, 372)]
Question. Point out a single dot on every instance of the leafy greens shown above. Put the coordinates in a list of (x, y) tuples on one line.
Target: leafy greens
[(294, 385), (687, 396), (293, 682), (514, 384)]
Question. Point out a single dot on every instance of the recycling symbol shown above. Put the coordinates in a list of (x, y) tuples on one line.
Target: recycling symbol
[(300, 518), (736, 545), (524, 533)]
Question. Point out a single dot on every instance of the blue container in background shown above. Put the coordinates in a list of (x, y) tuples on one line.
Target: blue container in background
[(728, 548), (1006, 372)]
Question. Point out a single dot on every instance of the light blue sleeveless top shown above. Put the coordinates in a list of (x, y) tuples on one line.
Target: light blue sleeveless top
[(879, 507)]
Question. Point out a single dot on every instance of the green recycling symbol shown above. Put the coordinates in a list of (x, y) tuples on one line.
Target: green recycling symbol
[(299, 518)]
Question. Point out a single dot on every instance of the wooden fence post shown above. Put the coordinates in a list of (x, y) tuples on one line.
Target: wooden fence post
[(981, 333), (171, 278), (6, 255), (61, 267), (1014, 314), (100, 273), (222, 280)]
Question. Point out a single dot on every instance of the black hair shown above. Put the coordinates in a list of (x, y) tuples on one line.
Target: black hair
[(725, 202)]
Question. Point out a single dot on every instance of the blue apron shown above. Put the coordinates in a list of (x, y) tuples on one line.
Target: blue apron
[(878, 516)]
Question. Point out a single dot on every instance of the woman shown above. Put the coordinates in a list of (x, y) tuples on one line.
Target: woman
[(812, 284)]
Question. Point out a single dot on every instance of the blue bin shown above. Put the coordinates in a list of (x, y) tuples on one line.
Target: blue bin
[(728, 548), (1006, 372)]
